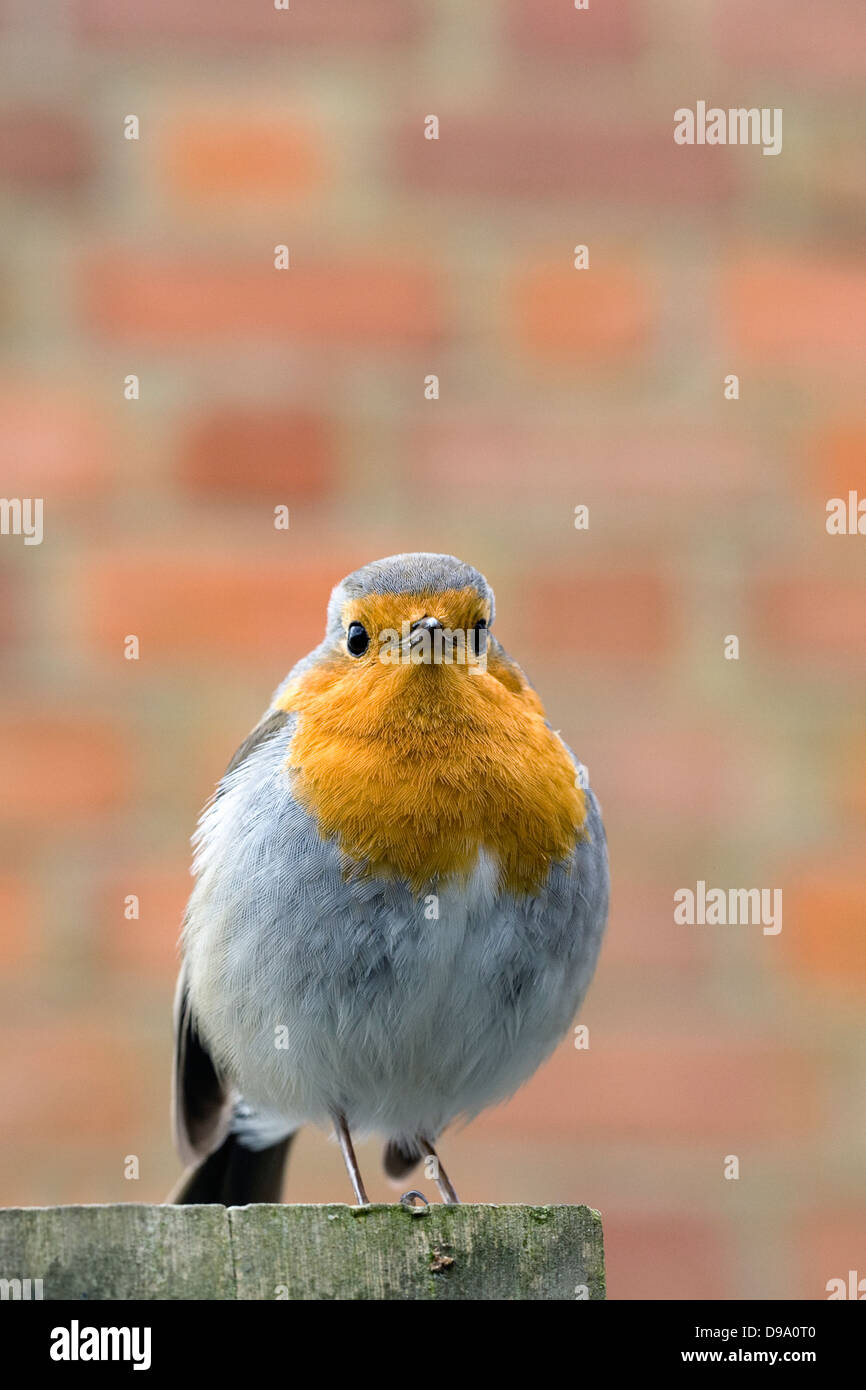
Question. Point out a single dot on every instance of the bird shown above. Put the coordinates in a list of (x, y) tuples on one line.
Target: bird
[(401, 890)]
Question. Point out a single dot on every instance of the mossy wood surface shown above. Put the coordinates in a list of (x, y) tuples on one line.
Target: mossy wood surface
[(133, 1251)]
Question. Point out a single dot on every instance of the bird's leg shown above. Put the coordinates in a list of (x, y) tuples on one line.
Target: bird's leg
[(440, 1177), (350, 1160)]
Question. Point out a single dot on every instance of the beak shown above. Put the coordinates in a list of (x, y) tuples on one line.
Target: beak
[(422, 635)]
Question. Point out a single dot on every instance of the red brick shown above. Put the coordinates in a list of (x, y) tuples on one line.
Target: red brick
[(482, 455), (668, 1256), (831, 1241), (386, 301), (849, 763), (593, 317), (827, 43), (283, 455), (783, 312), (624, 615), (184, 607), (214, 158), (642, 932), (809, 618), (340, 22), (556, 27), (64, 1080), (838, 459), (838, 189), (685, 774), (40, 148), (20, 925), (514, 154), (56, 766), (55, 443), (722, 1091), (147, 946), (9, 607), (825, 923)]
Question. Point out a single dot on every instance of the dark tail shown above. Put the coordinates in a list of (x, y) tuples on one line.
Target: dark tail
[(234, 1176), (399, 1158)]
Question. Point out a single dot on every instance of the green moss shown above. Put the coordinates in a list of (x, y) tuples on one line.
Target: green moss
[(315, 1252)]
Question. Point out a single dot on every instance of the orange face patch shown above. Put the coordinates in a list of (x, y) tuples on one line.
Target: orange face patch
[(416, 768)]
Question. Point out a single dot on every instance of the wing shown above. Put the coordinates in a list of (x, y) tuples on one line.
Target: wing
[(270, 724), (201, 1099)]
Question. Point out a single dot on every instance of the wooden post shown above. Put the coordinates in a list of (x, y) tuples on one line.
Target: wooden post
[(132, 1251)]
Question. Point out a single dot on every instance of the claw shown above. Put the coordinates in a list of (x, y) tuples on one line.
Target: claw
[(408, 1200)]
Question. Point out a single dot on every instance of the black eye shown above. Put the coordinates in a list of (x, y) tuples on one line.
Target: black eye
[(478, 637), (356, 639)]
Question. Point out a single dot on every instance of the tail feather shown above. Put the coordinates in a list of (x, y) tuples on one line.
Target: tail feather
[(400, 1157), (234, 1176)]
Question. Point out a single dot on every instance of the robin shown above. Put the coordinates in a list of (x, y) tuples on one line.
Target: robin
[(401, 891)]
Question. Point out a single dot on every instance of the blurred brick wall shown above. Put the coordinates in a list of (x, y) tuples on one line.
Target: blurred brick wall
[(558, 387)]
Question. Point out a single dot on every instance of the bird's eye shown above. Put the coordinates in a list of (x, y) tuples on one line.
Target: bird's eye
[(356, 639), (478, 637)]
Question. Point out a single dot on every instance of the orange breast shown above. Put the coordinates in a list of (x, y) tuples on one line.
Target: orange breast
[(414, 769)]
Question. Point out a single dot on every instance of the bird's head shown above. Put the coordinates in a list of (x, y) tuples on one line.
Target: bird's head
[(412, 610), (419, 741)]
